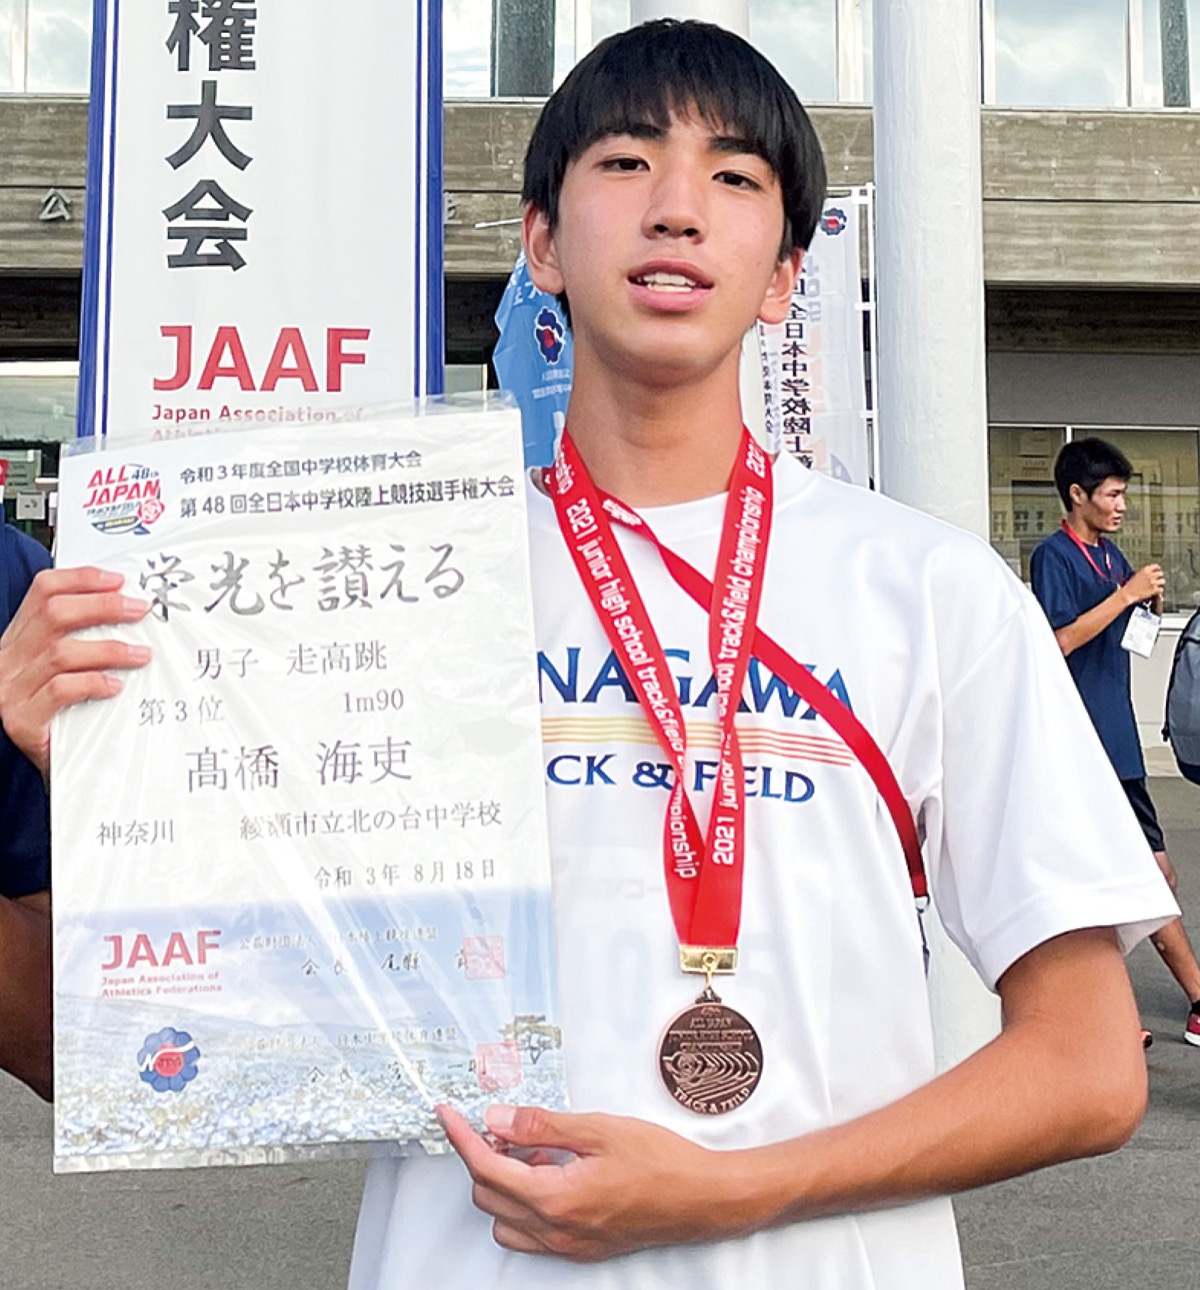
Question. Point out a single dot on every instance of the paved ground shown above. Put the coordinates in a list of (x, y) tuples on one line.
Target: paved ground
[(1128, 1220)]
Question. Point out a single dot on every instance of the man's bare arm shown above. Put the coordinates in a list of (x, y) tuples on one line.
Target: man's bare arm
[(1065, 1078), (25, 997), (1146, 584)]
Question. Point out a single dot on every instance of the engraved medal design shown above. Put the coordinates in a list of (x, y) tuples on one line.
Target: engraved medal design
[(710, 1057)]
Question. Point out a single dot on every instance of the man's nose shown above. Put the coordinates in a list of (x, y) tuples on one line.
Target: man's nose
[(676, 207)]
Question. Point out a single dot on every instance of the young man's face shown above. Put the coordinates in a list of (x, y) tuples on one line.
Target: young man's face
[(667, 245), (1105, 509)]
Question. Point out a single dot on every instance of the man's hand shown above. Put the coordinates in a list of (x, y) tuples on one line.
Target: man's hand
[(1065, 1078), (1147, 584), (631, 1184), (44, 670)]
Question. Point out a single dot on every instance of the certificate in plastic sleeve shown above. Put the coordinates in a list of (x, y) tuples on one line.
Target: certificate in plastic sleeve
[(302, 888)]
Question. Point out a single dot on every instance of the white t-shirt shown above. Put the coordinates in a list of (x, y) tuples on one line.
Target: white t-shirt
[(950, 664)]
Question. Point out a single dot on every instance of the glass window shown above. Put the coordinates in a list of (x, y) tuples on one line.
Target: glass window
[(1024, 502), (800, 38), (37, 402), (59, 53), (1152, 52), (1194, 48), (467, 46), (8, 18), (1162, 519), (868, 19), (608, 16), (1068, 54)]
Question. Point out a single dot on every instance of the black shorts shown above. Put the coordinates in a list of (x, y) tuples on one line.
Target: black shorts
[(1143, 808)]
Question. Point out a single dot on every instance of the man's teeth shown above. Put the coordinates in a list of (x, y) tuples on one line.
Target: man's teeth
[(667, 282)]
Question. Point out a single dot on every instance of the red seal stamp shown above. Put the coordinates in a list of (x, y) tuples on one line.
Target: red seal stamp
[(483, 958), (498, 1066)]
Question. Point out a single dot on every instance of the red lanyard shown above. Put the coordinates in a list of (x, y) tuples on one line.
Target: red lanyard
[(579, 527), (703, 874), (1087, 555)]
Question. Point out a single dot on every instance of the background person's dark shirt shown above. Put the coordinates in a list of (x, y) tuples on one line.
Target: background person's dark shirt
[(1067, 586), (24, 809)]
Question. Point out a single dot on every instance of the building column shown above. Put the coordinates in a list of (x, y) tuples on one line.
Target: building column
[(1173, 22), (733, 15), (932, 396), (522, 48)]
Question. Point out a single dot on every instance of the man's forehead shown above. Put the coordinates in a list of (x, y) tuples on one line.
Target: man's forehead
[(720, 137)]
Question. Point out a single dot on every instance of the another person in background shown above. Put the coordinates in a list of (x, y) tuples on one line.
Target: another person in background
[(25, 1031), (1089, 592)]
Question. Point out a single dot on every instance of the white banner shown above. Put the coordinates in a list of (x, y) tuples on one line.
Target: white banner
[(301, 879), (811, 369), (265, 212)]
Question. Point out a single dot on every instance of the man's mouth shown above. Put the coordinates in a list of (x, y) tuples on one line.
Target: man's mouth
[(669, 282)]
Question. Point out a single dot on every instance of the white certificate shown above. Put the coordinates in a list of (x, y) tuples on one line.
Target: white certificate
[(301, 878)]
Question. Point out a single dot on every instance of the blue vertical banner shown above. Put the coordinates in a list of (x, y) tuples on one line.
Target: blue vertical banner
[(246, 259), (534, 361)]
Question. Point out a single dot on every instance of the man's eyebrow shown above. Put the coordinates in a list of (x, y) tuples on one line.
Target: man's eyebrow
[(636, 130), (732, 143)]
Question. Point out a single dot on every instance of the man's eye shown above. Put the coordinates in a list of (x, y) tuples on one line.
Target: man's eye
[(736, 180), (623, 163)]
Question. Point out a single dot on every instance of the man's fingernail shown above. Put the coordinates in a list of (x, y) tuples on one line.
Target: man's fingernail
[(132, 605), (140, 653), (500, 1118)]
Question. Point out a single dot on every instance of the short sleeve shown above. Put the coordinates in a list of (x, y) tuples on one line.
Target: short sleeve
[(1055, 585), (1031, 834)]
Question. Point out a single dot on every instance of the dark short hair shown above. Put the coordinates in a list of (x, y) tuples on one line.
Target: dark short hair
[(644, 76), (1088, 463)]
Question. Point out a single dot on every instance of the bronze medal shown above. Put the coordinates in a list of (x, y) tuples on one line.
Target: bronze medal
[(710, 1057)]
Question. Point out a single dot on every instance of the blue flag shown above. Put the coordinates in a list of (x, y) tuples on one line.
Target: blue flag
[(534, 361)]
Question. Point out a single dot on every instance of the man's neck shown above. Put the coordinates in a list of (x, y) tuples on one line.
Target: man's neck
[(654, 446), (1082, 529)]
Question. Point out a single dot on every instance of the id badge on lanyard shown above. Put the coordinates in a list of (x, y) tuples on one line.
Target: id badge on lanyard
[(1141, 633)]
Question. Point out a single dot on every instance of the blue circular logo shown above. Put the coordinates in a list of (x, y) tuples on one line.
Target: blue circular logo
[(833, 221), (550, 333), (167, 1060)]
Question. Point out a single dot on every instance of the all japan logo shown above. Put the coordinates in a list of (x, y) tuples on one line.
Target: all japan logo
[(833, 221), (167, 1060), (550, 333), (124, 499)]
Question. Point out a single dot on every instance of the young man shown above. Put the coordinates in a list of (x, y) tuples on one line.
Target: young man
[(671, 185), (1089, 592), (24, 864)]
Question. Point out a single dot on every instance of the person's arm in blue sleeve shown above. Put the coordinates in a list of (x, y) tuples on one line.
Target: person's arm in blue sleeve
[(25, 957), (1053, 578)]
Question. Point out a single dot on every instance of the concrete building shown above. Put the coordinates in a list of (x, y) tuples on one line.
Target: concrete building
[(1091, 186)]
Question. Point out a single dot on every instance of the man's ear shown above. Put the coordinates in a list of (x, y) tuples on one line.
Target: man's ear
[(778, 299), (1077, 495), (541, 254)]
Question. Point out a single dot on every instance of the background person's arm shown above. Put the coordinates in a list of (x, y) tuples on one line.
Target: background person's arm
[(1065, 1078), (43, 669), (1146, 584)]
